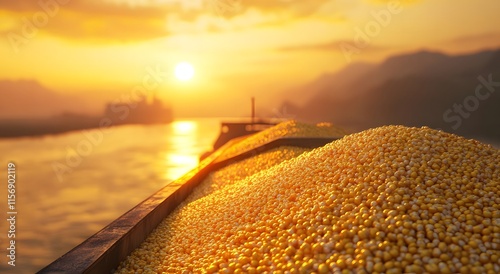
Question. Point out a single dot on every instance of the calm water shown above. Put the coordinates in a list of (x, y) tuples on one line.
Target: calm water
[(72, 185)]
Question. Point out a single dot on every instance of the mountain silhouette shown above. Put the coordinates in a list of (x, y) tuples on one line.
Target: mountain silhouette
[(424, 88), (29, 99)]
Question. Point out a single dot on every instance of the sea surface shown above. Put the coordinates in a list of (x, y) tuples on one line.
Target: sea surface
[(70, 186)]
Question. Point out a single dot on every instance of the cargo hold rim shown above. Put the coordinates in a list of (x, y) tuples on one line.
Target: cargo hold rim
[(103, 251)]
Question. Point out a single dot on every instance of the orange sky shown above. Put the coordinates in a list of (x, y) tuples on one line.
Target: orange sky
[(103, 49)]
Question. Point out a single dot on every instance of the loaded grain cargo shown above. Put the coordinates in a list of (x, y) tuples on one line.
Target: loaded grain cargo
[(386, 200)]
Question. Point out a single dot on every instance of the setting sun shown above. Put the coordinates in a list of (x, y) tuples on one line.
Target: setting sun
[(184, 71)]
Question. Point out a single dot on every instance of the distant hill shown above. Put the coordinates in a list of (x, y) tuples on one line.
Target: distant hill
[(329, 81), (29, 99), (413, 89)]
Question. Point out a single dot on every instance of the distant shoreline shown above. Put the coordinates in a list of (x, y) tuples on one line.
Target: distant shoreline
[(16, 128)]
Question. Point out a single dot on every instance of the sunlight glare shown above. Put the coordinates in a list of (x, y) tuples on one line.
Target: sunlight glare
[(178, 164), (184, 71), (184, 127)]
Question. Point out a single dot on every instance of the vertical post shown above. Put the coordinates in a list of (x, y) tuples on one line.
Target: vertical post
[(253, 110)]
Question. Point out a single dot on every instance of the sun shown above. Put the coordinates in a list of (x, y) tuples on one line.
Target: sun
[(184, 71)]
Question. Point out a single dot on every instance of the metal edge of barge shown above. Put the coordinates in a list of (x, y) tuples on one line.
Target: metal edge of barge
[(102, 252)]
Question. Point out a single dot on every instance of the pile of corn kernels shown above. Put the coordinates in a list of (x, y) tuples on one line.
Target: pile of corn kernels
[(237, 171), (386, 200)]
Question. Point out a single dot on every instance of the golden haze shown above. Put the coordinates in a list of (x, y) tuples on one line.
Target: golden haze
[(98, 50)]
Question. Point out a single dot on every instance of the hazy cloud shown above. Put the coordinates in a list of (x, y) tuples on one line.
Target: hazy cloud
[(129, 20), (403, 2), (295, 6), (482, 37), (330, 46), (86, 20)]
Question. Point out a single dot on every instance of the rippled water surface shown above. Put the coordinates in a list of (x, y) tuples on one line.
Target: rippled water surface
[(70, 186)]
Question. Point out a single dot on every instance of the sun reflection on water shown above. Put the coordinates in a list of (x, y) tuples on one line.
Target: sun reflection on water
[(184, 127), (131, 163), (184, 156)]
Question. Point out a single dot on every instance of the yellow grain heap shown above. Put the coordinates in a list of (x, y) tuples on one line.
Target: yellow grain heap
[(286, 129), (234, 172), (387, 200)]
